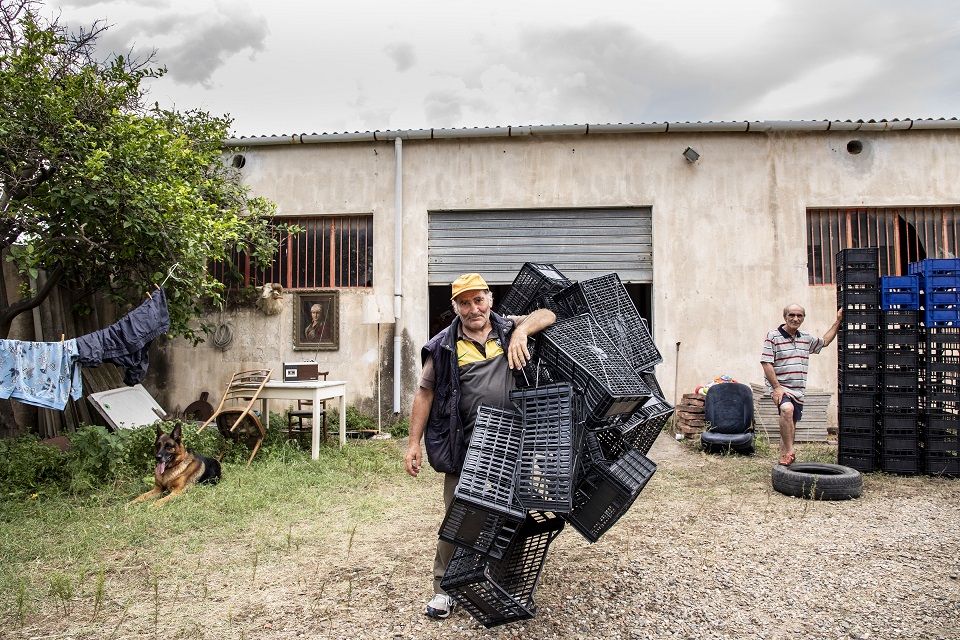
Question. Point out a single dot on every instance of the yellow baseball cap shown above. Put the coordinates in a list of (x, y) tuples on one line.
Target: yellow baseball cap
[(468, 282)]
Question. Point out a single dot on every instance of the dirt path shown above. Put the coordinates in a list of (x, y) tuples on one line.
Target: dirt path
[(709, 550)]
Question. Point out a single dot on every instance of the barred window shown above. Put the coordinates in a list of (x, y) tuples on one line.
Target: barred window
[(902, 234), (330, 252)]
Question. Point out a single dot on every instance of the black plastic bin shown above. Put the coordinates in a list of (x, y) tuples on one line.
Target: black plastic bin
[(578, 351), (606, 299), (494, 591), (606, 492), (485, 513), (550, 448), (533, 288)]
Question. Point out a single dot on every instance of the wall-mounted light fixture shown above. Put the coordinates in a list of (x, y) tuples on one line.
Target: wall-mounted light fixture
[(691, 155)]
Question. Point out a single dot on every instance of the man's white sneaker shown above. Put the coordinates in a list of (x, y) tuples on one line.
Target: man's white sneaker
[(440, 606)]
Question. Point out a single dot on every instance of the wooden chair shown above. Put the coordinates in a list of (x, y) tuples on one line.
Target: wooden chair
[(300, 420), (235, 417)]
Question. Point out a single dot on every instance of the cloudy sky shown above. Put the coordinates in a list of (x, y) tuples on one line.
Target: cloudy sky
[(321, 66)]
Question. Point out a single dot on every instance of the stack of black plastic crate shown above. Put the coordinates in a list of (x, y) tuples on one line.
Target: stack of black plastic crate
[(858, 356), (899, 433), (939, 285), (588, 410)]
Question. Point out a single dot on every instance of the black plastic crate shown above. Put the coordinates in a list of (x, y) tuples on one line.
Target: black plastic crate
[(941, 396), (856, 441), (485, 513), (551, 445), (868, 360), (901, 360), (858, 381), (606, 492), (858, 276), (941, 463), (942, 443), (942, 424), (900, 403), (533, 288), (606, 299), (857, 424), (894, 381), (496, 592), (897, 440), (858, 403), (893, 339), (850, 337), (899, 422), (892, 319), (578, 351), (857, 258), (860, 459), (480, 527), (853, 296), (604, 446), (901, 462)]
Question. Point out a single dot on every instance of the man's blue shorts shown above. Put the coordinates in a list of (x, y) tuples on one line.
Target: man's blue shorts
[(797, 406)]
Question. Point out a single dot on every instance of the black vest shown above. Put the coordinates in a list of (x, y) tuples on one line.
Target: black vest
[(444, 436)]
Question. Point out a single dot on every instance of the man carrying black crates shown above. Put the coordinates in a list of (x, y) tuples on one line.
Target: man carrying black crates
[(465, 365), (785, 359)]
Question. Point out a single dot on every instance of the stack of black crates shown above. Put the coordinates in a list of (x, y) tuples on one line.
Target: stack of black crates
[(858, 356), (899, 365), (574, 452)]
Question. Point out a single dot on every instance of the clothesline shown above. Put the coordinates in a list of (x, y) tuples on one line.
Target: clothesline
[(46, 374)]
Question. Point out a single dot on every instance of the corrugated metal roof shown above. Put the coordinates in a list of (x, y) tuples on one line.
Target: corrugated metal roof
[(746, 126)]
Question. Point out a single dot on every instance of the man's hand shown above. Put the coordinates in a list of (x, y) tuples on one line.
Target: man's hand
[(517, 353), (413, 460), (777, 395)]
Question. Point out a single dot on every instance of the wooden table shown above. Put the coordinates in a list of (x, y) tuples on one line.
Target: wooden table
[(316, 391)]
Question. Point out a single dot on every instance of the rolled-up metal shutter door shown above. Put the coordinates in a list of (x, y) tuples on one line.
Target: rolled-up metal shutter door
[(581, 243)]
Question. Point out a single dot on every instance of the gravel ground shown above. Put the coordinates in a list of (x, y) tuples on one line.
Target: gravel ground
[(708, 551)]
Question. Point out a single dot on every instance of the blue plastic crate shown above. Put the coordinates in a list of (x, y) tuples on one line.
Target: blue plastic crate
[(899, 292), (947, 316), (949, 282), (933, 266)]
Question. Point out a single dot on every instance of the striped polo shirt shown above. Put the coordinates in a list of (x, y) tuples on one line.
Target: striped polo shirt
[(790, 356)]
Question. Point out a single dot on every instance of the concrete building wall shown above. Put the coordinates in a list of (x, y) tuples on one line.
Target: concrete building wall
[(728, 231)]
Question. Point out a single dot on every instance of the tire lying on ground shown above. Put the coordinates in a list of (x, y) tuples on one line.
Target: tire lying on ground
[(817, 480)]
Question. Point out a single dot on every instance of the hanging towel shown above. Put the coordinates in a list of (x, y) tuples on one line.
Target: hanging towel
[(126, 343), (40, 373)]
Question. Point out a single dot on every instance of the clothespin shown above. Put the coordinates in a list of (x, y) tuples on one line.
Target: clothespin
[(149, 296), (62, 336)]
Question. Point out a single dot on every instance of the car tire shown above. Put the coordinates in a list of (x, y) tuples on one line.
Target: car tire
[(817, 480)]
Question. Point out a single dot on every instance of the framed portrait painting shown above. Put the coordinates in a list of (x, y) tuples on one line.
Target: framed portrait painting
[(316, 320)]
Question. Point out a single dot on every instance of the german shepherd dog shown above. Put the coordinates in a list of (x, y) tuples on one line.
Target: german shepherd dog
[(178, 468)]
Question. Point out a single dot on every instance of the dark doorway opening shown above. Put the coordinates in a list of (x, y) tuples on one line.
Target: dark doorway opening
[(441, 309)]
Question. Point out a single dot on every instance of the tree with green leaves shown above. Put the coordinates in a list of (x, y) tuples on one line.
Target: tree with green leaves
[(102, 193)]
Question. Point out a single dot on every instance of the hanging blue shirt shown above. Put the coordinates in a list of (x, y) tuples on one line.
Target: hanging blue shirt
[(43, 374)]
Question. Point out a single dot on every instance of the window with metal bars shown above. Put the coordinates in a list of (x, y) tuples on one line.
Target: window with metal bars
[(902, 234), (329, 252)]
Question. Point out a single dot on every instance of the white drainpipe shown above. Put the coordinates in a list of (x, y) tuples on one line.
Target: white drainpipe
[(397, 269)]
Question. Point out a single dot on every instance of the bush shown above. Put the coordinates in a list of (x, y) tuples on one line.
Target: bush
[(29, 467)]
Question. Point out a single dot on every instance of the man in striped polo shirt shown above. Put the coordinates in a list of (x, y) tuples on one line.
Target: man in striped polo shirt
[(785, 359)]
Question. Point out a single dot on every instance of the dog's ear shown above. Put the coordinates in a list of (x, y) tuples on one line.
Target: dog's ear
[(159, 431), (177, 433)]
